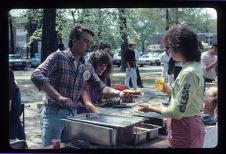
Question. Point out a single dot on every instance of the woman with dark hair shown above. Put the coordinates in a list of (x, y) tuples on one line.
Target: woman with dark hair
[(102, 64), (185, 127)]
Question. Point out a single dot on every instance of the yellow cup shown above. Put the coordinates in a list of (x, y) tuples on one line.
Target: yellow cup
[(159, 81)]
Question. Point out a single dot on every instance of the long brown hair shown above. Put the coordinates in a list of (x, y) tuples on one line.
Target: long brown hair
[(101, 57)]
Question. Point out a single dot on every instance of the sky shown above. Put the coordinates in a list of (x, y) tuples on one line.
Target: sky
[(212, 12)]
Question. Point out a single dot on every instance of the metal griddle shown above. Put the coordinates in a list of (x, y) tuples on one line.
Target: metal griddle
[(106, 119), (149, 115)]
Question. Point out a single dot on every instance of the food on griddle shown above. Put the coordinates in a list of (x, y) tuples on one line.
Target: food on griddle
[(132, 91), (127, 100)]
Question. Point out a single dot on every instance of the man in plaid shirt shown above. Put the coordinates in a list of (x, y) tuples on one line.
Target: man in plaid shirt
[(63, 76)]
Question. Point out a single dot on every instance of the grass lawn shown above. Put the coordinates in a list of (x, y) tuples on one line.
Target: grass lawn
[(147, 76)]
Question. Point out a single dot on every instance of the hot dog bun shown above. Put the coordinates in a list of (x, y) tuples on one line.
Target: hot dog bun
[(132, 91)]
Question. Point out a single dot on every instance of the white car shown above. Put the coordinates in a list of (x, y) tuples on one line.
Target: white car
[(149, 59), (117, 59), (16, 61)]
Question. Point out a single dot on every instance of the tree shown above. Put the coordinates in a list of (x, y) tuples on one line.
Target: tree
[(11, 45), (49, 34), (33, 26), (116, 26), (123, 30), (167, 18)]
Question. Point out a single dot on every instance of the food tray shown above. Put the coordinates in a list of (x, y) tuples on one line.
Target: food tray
[(139, 135), (106, 119), (154, 130), (156, 119)]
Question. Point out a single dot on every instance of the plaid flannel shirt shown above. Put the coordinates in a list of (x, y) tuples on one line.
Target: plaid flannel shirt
[(60, 71)]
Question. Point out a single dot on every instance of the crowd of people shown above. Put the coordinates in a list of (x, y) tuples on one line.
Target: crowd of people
[(73, 84)]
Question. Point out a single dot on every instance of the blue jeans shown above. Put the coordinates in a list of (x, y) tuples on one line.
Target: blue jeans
[(133, 75), (51, 124)]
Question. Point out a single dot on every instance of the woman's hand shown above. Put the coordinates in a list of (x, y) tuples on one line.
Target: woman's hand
[(166, 89), (147, 108), (143, 108)]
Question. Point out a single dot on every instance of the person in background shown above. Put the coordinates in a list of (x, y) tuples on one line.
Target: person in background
[(177, 68), (174, 68), (106, 48), (16, 130), (130, 61), (95, 48), (164, 58), (210, 102), (61, 47), (63, 76), (185, 125), (209, 63), (139, 81)]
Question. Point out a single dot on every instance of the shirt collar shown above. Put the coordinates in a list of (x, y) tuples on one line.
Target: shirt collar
[(71, 57)]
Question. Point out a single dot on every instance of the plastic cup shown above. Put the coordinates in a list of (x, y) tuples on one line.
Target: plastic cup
[(159, 81)]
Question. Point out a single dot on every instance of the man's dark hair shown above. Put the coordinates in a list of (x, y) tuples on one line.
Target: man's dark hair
[(76, 33), (101, 57), (181, 39)]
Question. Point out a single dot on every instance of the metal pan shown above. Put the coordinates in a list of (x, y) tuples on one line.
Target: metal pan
[(106, 119)]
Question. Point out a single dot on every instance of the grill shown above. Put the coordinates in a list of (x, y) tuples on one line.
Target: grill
[(102, 129)]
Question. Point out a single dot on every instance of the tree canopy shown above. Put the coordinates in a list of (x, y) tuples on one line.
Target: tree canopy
[(114, 26)]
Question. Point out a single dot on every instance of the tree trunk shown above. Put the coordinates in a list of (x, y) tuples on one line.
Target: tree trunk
[(177, 16), (167, 19), (34, 48), (123, 30), (49, 34), (100, 22), (11, 44), (60, 27)]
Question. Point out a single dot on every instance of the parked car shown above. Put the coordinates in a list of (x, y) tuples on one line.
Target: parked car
[(149, 59), (36, 60), (17, 62), (117, 59)]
